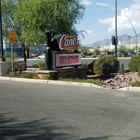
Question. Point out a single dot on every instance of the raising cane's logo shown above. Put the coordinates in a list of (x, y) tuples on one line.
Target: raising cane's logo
[(67, 42)]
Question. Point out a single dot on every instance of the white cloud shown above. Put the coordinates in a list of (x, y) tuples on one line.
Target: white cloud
[(123, 23), (88, 32), (86, 2), (103, 4)]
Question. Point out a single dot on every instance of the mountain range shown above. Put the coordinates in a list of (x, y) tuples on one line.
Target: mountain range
[(123, 39)]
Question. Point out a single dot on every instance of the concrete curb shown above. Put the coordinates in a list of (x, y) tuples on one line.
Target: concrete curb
[(137, 89), (73, 83), (29, 80)]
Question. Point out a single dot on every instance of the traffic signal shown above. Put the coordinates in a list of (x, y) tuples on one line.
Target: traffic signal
[(113, 40)]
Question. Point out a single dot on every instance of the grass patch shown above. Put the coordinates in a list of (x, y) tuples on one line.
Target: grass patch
[(30, 75), (33, 75), (135, 84)]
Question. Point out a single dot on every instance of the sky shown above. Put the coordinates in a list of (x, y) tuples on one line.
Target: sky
[(99, 19)]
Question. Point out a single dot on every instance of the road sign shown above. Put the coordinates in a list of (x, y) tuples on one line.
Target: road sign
[(20, 64), (12, 37)]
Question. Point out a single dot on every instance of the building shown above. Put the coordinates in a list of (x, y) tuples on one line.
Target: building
[(18, 50)]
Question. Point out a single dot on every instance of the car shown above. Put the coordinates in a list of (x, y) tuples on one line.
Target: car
[(121, 53), (42, 56), (131, 54), (104, 53)]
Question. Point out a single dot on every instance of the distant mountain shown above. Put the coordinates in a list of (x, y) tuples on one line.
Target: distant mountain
[(123, 39)]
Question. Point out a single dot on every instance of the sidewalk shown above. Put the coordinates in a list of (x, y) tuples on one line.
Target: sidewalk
[(90, 85)]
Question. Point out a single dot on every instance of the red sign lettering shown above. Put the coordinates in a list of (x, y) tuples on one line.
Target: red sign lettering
[(67, 42)]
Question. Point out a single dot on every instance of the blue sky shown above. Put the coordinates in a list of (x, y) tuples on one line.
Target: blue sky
[(99, 19)]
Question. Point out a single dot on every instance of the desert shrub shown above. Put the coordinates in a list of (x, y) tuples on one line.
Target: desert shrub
[(47, 77), (10, 64), (135, 84), (139, 69), (105, 65), (93, 56), (41, 65), (31, 75), (134, 62), (35, 66)]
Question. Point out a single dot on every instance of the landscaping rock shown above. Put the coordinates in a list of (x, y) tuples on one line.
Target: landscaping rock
[(119, 81)]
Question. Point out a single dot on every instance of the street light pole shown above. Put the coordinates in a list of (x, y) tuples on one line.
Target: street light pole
[(116, 38), (1, 38), (129, 41), (134, 31)]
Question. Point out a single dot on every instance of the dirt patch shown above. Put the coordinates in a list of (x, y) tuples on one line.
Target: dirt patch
[(133, 75)]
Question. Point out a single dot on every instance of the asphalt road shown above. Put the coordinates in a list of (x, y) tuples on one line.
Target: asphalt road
[(31, 111)]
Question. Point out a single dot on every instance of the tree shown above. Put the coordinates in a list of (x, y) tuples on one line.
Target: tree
[(40, 16), (8, 10), (83, 49), (105, 50), (122, 48), (97, 51), (32, 19)]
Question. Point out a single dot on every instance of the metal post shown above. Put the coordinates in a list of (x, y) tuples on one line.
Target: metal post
[(49, 51), (1, 38), (134, 31), (12, 57), (116, 38)]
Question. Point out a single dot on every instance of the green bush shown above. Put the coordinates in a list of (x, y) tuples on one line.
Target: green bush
[(139, 69), (30, 75), (48, 77), (10, 64), (105, 65), (35, 66), (135, 84), (41, 65), (93, 56), (134, 62)]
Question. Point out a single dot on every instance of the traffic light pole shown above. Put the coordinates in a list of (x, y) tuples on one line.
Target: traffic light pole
[(1, 38), (116, 38)]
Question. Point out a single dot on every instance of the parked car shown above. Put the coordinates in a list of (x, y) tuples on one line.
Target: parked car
[(33, 55), (104, 53), (42, 56), (121, 53), (131, 54)]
